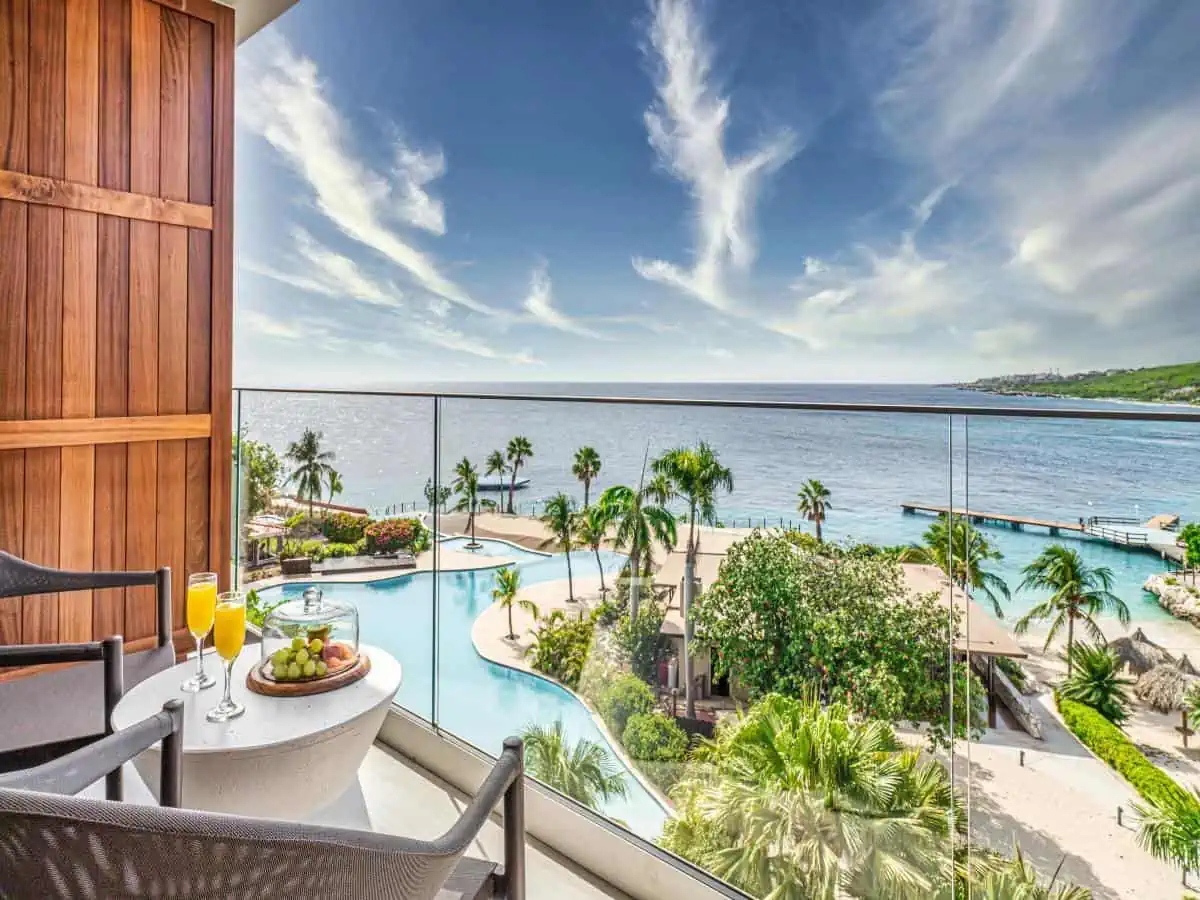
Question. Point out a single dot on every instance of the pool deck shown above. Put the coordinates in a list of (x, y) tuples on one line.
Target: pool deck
[(449, 560)]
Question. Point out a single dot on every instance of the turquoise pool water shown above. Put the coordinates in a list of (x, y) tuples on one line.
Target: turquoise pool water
[(479, 701), (489, 547)]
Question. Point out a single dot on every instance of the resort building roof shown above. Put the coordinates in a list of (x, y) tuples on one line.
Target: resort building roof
[(983, 634)]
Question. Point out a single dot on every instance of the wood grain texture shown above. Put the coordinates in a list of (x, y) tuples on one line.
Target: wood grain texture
[(170, 519), (12, 518), (206, 10), (39, 612), (60, 193), (14, 86), (108, 606), (115, 25), (116, 430), (14, 220), (221, 451), (196, 506), (141, 529)]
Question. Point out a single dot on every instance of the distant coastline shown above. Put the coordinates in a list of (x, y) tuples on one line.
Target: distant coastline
[(1176, 384)]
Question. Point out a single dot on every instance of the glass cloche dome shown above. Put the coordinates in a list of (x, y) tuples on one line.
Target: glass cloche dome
[(310, 638)]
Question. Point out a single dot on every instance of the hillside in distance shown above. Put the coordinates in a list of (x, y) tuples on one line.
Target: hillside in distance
[(1171, 384)]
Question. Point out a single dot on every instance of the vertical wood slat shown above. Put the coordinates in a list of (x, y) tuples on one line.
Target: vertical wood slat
[(173, 298), (221, 450), (78, 467), (112, 347), (199, 300), (14, 237), (141, 508), (43, 323)]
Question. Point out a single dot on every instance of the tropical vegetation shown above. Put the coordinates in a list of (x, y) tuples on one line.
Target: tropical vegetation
[(641, 639), (559, 516), (1170, 828), (638, 523), (995, 877), (313, 467), (466, 485), (586, 468), (591, 529), (696, 475), (561, 646), (344, 527), (790, 622), (623, 697), (814, 503), (260, 469), (654, 737), (1176, 383), (1079, 593), (582, 770), (1095, 680), (796, 800), (518, 451), (960, 550), (508, 584), (497, 464), (390, 535), (436, 497)]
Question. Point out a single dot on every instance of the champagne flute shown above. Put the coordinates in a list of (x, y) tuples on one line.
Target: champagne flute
[(201, 604), (229, 634)]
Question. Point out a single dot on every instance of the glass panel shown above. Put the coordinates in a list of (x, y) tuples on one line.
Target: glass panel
[(1079, 515), (334, 484), (835, 628)]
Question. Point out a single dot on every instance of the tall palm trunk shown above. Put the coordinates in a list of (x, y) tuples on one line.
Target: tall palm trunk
[(818, 521), (635, 566), (511, 633), (691, 549), (512, 488), (1070, 639), (587, 484), (570, 581), (600, 566)]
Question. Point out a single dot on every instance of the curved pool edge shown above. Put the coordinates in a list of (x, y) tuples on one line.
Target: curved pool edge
[(601, 726)]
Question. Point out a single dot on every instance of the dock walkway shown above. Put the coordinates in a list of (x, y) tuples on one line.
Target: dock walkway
[(977, 517)]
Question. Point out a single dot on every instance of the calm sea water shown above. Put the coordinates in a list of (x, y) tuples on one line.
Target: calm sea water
[(872, 462)]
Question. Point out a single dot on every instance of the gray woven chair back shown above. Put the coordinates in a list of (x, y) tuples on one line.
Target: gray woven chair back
[(53, 846), (18, 577)]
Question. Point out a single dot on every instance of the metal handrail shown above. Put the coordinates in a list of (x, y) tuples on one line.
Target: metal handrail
[(1002, 412)]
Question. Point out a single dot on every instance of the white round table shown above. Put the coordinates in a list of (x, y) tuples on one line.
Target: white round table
[(285, 757)]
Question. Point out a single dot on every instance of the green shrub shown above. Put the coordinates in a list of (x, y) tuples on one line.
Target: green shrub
[(561, 647), (1013, 670), (313, 549), (625, 697), (334, 550), (294, 519), (1171, 580), (344, 528), (390, 535), (654, 737), (642, 640), (1111, 744)]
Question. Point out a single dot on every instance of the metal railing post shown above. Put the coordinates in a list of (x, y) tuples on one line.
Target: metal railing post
[(514, 825), (114, 687)]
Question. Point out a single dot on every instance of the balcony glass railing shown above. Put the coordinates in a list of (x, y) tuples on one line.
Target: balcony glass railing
[(821, 714)]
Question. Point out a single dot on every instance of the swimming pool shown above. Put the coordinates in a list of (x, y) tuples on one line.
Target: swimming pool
[(479, 701), (491, 547)]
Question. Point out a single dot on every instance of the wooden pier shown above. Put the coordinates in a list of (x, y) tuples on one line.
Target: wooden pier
[(977, 517)]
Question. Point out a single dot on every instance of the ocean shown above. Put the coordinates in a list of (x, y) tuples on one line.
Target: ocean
[(1060, 469)]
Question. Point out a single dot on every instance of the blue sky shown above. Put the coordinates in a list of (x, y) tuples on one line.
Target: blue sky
[(685, 190)]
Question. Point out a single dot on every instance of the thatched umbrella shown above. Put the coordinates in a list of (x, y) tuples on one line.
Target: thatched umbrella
[(1138, 653), (1185, 666), (1164, 687)]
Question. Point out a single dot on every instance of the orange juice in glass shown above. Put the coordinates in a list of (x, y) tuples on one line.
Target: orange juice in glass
[(201, 602), (229, 634)]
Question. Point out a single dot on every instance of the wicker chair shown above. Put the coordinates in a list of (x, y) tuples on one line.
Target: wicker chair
[(48, 715), (54, 846)]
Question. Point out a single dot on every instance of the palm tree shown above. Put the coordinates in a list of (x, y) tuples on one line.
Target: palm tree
[(583, 771), (814, 503), (591, 527), (960, 550), (466, 485), (998, 878), (335, 485), (508, 583), (696, 475), (639, 523), (797, 800), (1095, 680), (559, 516), (519, 450), (586, 468), (660, 489), (436, 496), (1079, 594), (1170, 828), (497, 465), (313, 469)]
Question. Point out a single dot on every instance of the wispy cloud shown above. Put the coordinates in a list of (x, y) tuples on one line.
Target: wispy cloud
[(539, 306), (448, 338), (687, 128), (290, 107), (320, 270), (268, 326)]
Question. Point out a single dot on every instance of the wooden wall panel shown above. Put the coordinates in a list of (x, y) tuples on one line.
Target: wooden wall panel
[(115, 300)]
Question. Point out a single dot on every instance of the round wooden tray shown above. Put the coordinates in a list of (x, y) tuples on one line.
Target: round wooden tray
[(260, 680)]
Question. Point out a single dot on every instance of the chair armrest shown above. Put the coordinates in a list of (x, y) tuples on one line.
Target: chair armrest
[(72, 773), (16, 655)]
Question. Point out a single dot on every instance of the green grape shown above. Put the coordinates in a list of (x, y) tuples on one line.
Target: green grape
[(280, 656), (279, 671), (321, 668), (297, 643), (293, 671), (309, 669), (302, 656), (315, 646)]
